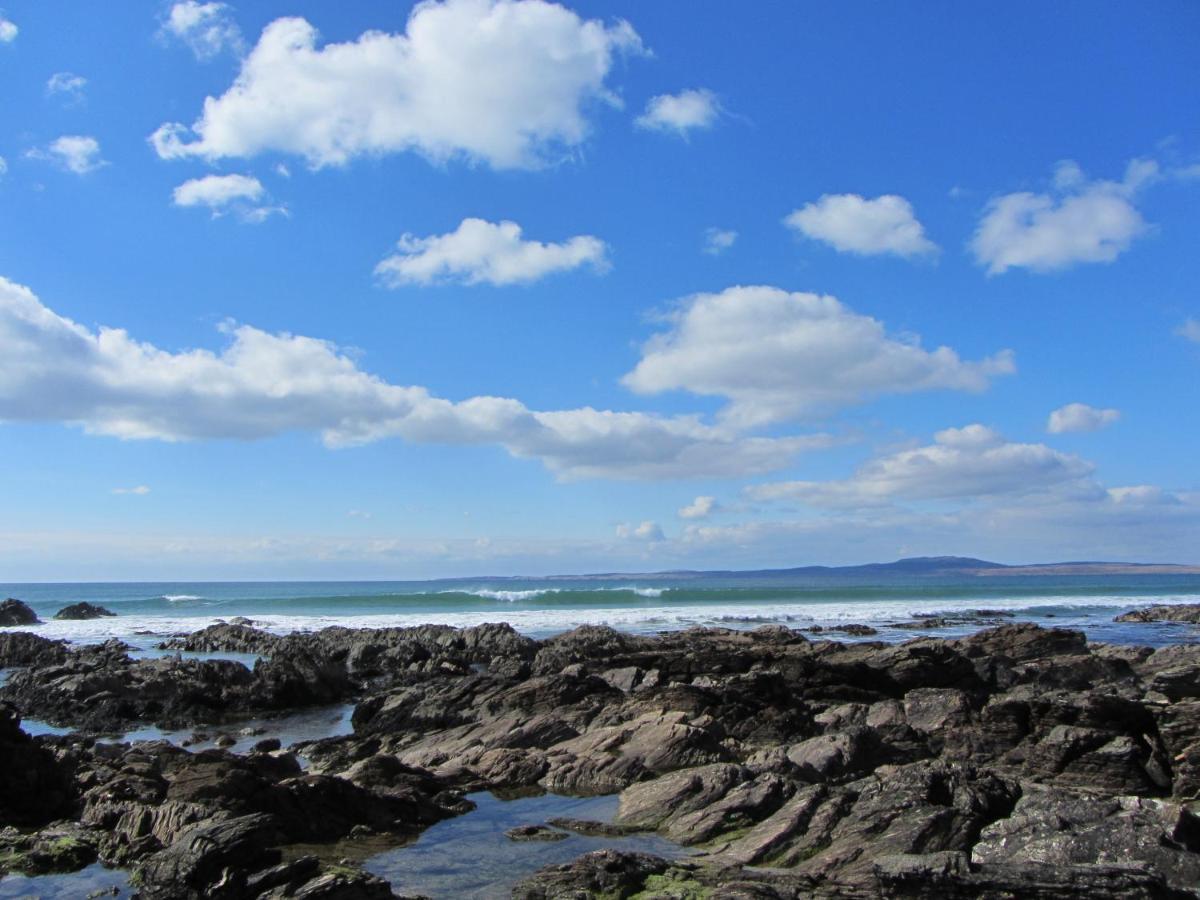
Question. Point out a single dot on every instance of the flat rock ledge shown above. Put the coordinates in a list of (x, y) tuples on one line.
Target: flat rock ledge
[(1017, 762)]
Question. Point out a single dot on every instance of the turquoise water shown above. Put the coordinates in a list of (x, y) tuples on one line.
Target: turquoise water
[(637, 603), (470, 858)]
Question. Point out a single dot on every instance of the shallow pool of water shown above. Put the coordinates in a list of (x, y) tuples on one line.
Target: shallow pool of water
[(470, 858), (76, 886)]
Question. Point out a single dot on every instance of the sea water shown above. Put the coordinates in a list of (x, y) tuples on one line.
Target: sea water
[(644, 604)]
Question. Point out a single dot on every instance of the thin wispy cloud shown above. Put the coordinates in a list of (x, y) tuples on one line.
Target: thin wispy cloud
[(961, 463), (207, 29), (66, 85), (139, 491), (76, 153), (718, 240)]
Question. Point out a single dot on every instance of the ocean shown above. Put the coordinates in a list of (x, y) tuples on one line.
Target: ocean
[(644, 604)]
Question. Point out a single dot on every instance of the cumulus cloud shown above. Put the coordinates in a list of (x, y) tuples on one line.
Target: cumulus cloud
[(76, 153), (261, 385), (1190, 329), (222, 193), (1080, 417), (776, 355), (680, 113), (700, 508), (208, 29), (1078, 221), (718, 240), (8, 31), (140, 491), (645, 531), (482, 252), (969, 462), (505, 82), (853, 224), (68, 85)]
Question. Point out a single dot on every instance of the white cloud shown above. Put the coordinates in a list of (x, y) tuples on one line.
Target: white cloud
[(680, 113), (207, 29), (506, 82), (76, 153), (961, 463), (3, 166), (67, 84), (700, 508), (261, 385), (718, 240), (222, 193), (140, 491), (645, 531), (853, 224), (1080, 221), (481, 252), (1190, 330), (8, 31), (777, 355), (1080, 417)]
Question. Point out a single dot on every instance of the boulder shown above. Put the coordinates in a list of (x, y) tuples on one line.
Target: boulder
[(15, 612), (83, 611)]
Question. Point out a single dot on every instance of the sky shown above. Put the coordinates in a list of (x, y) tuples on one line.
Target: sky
[(381, 290)]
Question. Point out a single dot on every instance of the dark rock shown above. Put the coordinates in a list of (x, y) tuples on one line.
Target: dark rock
[(1188, 613), (23, 648), (83, 611), (604, 873), (534, 833), (268, 745), (14, 612), (35, 786)]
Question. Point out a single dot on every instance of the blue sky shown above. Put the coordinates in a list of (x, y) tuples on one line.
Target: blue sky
[(362, 290)]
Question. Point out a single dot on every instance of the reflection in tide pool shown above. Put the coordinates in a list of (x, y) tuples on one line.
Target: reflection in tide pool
[(470, 858), (95, 880)]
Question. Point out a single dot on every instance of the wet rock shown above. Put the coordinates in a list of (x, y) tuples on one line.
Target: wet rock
[(14, 612), (590, 828), (79, 611), (604, 873), (1176, 612), (61, 847), (535, 833)]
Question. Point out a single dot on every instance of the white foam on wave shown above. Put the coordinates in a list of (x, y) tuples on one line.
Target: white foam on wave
[(180, 598), (534, 593), (632, 618)]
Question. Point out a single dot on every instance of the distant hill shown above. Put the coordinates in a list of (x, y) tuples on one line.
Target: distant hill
[(912, 567)]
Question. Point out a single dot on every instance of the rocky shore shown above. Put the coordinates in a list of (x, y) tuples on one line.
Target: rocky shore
[(1017, 762)]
